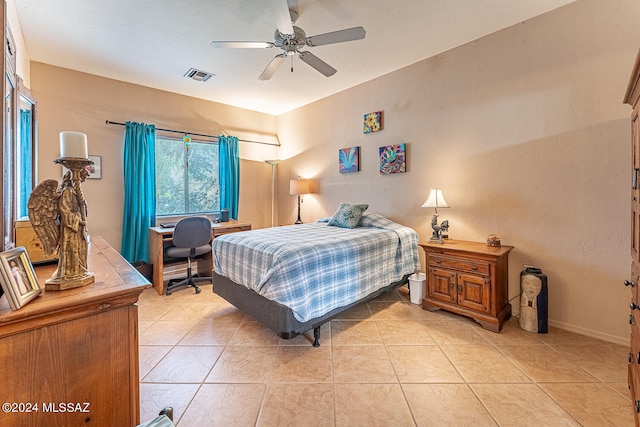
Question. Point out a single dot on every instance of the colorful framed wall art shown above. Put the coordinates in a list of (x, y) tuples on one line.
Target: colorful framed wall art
[(393, 159), (373, 122), (349, 159)]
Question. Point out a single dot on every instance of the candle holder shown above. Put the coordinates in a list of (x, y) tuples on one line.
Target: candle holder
[(59, 218)]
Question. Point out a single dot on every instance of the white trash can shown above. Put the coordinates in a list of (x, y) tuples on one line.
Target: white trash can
[(417, 287)]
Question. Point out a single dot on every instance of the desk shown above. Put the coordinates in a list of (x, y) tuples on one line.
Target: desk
[(78, 346), (158, 236)]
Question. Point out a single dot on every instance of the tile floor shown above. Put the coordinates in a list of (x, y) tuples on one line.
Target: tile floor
[(383, 363)]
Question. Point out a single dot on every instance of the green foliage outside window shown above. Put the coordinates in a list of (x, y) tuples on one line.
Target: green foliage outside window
[(187, 180)]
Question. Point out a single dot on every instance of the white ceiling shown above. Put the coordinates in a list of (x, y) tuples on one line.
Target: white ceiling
[(154, 42)]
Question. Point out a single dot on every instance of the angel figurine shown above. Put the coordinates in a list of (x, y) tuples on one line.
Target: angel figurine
[(58, 215)]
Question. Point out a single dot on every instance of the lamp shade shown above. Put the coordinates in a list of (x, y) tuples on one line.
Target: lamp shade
[(301, 186), (435, 199)]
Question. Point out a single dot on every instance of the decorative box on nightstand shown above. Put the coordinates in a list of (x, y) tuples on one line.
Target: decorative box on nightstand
[(468, 278)]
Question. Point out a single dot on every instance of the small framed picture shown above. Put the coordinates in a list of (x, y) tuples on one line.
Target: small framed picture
[(349, 159), (393, 159), (18, 278), (373, 122), (95, 170)]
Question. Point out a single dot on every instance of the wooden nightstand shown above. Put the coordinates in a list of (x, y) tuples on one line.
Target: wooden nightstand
[(469, 278)]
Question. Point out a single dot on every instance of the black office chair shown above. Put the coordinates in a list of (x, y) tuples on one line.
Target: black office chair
[(191, 238)]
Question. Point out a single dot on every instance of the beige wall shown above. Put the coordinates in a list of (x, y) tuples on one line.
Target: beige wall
[(526, 133), (22, 55), (70, 100), (524, 130)]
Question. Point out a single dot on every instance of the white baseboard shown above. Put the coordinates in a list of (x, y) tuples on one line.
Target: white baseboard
[(591, 333), (578, 330)]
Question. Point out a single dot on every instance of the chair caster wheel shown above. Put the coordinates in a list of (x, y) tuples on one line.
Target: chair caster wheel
[(167, 293), (197, 290)]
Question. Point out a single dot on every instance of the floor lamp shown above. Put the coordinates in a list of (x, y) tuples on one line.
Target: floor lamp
[(273, 164)]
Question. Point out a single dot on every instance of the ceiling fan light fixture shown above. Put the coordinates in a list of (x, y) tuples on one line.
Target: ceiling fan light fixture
[(291, 39)]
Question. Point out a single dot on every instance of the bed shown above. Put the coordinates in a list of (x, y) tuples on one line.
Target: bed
[(295, 278)]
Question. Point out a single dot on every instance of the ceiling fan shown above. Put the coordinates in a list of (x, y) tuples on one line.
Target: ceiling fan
[(292, 40)]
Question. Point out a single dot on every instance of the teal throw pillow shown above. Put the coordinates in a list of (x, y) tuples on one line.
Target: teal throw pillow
[(348, 216)]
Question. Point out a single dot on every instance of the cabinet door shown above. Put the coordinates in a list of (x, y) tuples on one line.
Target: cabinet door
[(632, 283), (635, 185), (441, 285), (635, 232), (634, 367), (474, 292), (635, 152), (92, 359)]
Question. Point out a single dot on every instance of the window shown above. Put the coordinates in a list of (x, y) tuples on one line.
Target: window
[(18, 127), (187, 180), (26, 147), (8, 162)]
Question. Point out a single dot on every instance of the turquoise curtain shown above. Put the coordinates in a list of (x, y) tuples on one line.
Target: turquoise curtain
[(139, 190), (26, 165), (229, 170)]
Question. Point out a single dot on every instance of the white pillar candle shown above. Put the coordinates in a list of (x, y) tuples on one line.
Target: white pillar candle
[(73, 144)]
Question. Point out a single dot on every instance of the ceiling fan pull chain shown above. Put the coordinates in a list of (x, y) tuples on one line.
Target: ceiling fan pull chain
[(292, 63)]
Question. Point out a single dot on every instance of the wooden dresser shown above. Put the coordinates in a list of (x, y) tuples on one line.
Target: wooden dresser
[(631, 97), (468, 278), (70, 358)]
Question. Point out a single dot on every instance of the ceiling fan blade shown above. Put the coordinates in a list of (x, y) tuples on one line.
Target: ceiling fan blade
[(272, 67), (242, 45), (283, 17), (318, 64), (355, 33)]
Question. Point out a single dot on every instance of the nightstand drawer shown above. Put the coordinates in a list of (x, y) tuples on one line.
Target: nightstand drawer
[(461, 264)]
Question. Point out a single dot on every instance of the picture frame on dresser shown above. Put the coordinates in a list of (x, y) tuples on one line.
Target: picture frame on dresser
[(18, 278)]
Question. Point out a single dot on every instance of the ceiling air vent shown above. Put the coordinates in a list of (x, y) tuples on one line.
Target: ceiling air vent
[(198, 75)]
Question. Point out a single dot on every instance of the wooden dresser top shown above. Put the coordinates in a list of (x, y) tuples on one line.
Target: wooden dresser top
[(467, 246), (117, 283)]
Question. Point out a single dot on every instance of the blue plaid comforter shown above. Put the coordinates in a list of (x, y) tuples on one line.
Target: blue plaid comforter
[(315, 268)]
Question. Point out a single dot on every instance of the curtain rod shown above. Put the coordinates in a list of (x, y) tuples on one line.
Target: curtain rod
[(109, 122)]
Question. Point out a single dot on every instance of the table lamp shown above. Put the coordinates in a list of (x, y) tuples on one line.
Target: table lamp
[(436, 200), (299, 187)]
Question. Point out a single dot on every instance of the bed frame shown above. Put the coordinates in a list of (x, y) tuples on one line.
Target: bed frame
[(278, 317)]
